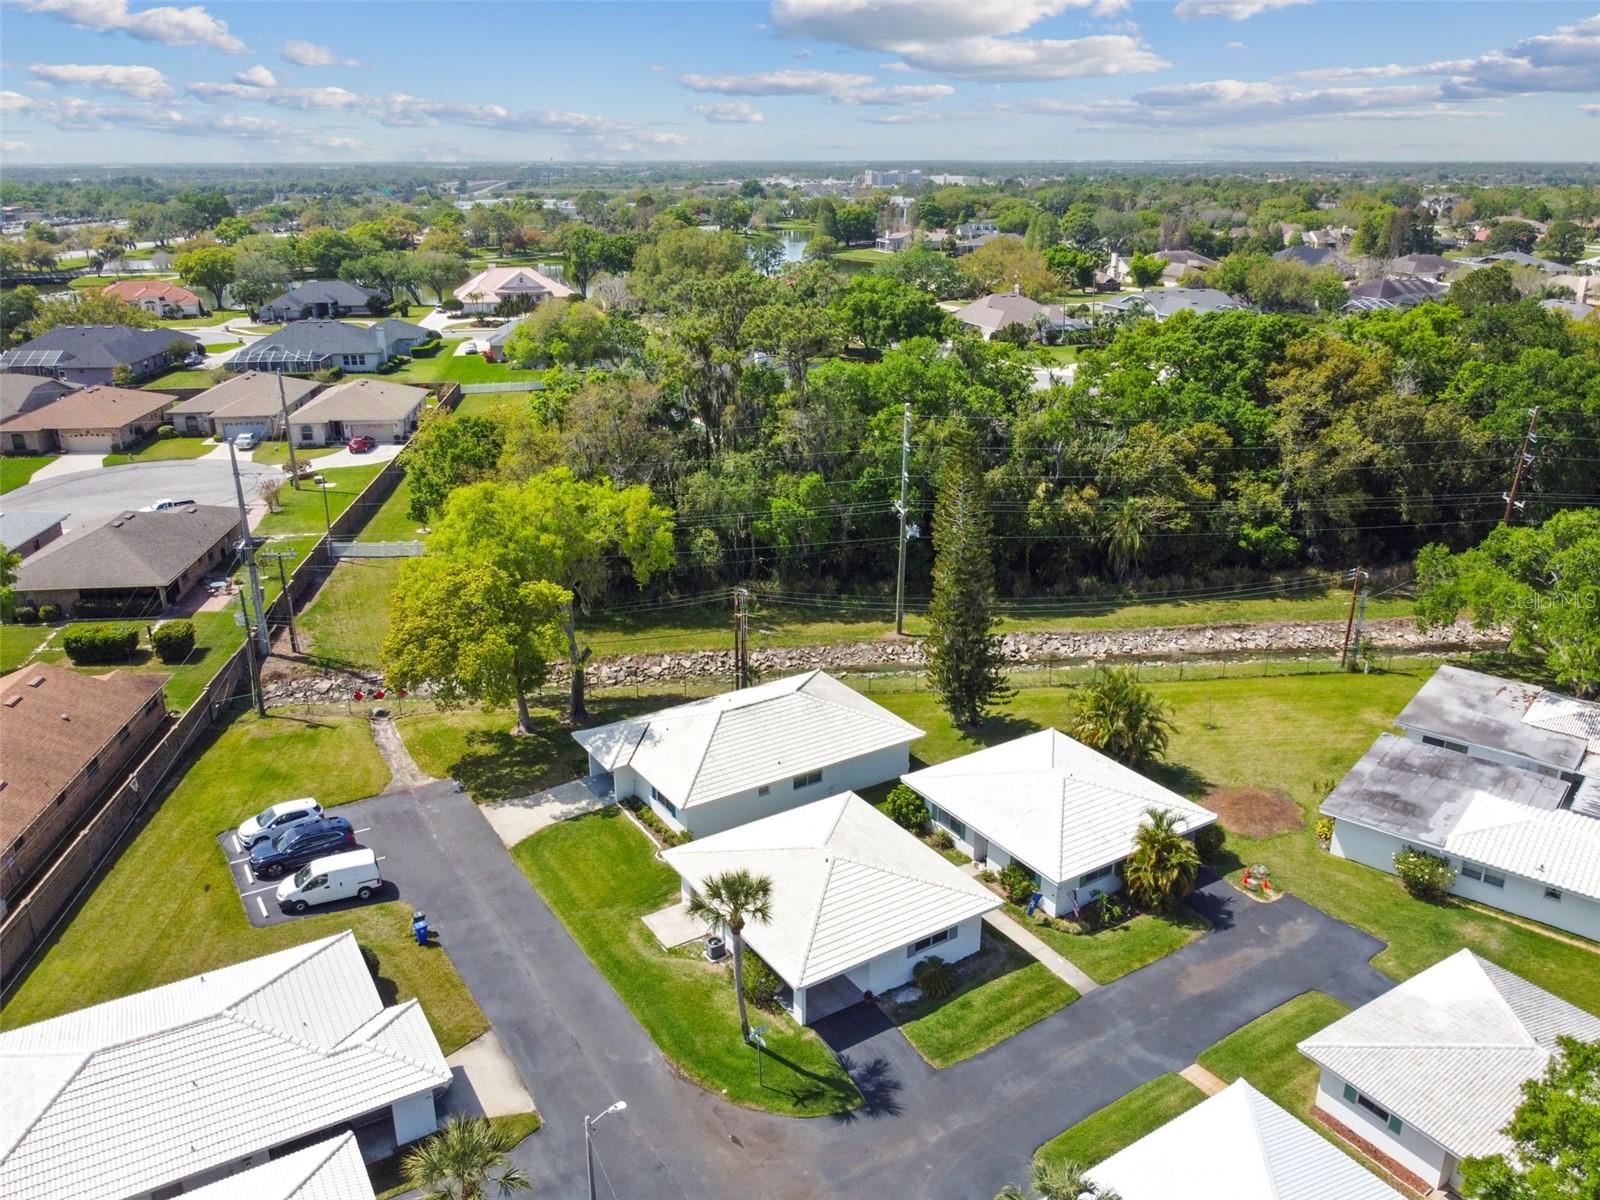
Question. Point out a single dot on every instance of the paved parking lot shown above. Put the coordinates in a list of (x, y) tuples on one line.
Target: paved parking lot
[(261, 906)]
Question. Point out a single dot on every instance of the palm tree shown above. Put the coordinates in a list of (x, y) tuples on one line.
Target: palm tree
[(1121, 718), (1067, 1181), (1162, 868), (729, 900), (464, 1161)]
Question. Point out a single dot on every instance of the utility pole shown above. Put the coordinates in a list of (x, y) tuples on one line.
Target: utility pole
[(247, 547), (250, 656), (288, 600), (1349, 624), (1361, 620), (288, 436), (905, 483), (741, 637), (1524, 460)]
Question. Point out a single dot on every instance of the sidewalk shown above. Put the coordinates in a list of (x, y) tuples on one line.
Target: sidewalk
[(1054, 963)]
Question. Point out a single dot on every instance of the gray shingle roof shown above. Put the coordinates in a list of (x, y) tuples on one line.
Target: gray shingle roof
[(84, 347), (364, 400), (251, 394), (133, 550), (17, 527), (24, 393), (312, 340), (324, 291)]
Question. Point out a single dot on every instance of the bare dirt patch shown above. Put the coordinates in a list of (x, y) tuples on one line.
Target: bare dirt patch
[(1254, 812)]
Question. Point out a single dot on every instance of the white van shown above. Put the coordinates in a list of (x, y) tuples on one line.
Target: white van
[(336, 877)]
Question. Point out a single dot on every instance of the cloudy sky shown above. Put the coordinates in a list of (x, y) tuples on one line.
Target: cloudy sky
[(120, 81)]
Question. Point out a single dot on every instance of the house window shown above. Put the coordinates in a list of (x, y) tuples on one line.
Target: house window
[(927, 943), (957, 828), (807, 780), (1552, 894), (92, 768), (764, 790), (306, 433), (655, 795), (1443, 744), (1383, 1114), (1093, 876)]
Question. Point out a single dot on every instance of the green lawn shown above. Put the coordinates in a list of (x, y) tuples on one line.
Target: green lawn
[(476, 748), (1056, 356), (18, 642), (1109, 954), (215, 317), (302, 508), (17, 469), (1122, 1122), (491, 404), (200, 377), (1002, 991), (866, 256), (156, 449), (349, 615), (168, 908), (599, 873), (391, 523), (386, 1174), (277, 453), (1264, 1051), (216, 637), (445, 364)]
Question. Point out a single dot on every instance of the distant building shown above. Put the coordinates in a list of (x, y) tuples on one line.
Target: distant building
[(893, 242), (90, 354), (1405, 292), (386, 412), (1314, 256), (485, 290), (990, 314), (319, 345), (158, 296), (320, 299), (1162, 303)]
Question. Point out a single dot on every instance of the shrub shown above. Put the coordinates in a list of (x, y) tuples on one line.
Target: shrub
[(49, 613), (1324, 829), (906, 809), (1110, 909), (648, 817), (26, 614), (1017, 883), (761, 982), (90, 644), (148, 607), (173, 641), (166, 431), (943, 841), (1425, 876), (934, 977), (1208, 841)]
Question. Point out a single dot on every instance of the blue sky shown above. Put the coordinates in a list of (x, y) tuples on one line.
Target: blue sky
[(118, 81)]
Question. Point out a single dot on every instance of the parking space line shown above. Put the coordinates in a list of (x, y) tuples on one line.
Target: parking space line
[(258, 891), (238, 846), (262, 905), (368, 829), (234, 862)]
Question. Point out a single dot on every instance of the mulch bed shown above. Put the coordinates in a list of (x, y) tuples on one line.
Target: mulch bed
[(1254, 812)]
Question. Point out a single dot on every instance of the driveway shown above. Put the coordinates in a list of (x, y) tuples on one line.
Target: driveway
[(959, 1133), (92, 495)]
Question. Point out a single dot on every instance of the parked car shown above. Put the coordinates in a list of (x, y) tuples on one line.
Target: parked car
[(300, 844), (164, 505), (275, 818), (471, 348), (361, 445), (337, 877), (247, 441)]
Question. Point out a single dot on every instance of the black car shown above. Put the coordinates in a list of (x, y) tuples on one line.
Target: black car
[(300, 844)]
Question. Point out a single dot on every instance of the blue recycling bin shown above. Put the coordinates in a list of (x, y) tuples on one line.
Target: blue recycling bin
[(419, 927)]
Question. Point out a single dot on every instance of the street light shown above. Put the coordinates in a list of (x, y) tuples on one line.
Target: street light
[(322, 483), (588, 1140)]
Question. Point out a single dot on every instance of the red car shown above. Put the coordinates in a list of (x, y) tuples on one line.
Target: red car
[(360, 445)]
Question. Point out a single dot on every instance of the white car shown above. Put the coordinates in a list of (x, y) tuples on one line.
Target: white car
[(273, 820), (247, 441)]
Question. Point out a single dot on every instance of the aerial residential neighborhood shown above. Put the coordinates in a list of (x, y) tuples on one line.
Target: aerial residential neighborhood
[(805, 599)]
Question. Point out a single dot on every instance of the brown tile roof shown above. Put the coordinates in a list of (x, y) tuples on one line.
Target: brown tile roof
[(132, 290), (52, 722), (92, 408)]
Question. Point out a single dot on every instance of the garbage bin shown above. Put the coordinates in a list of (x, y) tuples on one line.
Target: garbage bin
[(419, 927)]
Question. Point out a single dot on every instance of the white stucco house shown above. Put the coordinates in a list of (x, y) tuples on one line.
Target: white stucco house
[(485, 290), (1063, 812), (330, 1170), (1240, 1145), (712, 764), (167, 1090), (1510, 833), (1430, 1072), (857, 901)]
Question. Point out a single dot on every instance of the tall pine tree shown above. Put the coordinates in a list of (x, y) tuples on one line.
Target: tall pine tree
[(964, 659)]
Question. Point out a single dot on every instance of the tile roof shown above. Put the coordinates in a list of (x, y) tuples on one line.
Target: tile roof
[(1449, 1049), (1485, 710), (716, 747), (52, 722), (493, 281), (131, 550), (80, 347), (137, 1093), (131, 291), (364, 400), (1240, 1145), (99, 407), (1061, 807), (1560, 849), (249, 394), (848, 884), (330, 1170)]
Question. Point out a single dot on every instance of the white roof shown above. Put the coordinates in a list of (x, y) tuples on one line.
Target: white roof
[(1061, 807), (137, 1093), (1238, 1145), (330, 1170), (848, 884), (1449, 1049), (726, 744), (1558, 848)]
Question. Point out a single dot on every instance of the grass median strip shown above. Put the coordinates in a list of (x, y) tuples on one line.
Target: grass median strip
[(1109, 954), (1122, 1122)]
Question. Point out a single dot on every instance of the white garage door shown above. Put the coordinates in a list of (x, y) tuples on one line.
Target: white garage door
[(381, 432), (89, 443), (232, 429)]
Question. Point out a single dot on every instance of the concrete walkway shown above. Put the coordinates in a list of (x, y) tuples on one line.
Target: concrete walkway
[(1202, 1079), (514, 820), (487, 1083), (404, 774), (67, 464), (1054, 963)]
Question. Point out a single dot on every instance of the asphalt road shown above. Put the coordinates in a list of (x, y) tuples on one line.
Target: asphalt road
[(259, 895), (960, 1133), (87, 497)]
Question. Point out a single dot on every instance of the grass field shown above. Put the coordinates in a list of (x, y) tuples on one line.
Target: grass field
[(18, 642), (302, 510), (17, 469), (445, 364), (476, 748), (174, 881), (1123, 1122), (485, 404), (215, 317), (198, 378), (277, 453), (1109, 954), (216, 637), (349, 616), (391, 523), (164, 450), (1264, 1051), (685, 1003)]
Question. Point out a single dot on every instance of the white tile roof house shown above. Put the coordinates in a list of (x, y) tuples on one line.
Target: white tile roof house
[(715, 763), (856, 900), (1238, 1145), (187, 1083), (330, 1170), (1051, 804), (1432, 1070)]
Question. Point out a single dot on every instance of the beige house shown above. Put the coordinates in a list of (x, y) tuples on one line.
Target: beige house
[(158, 296), (91, 420), (253, 402), (485, 290), (385, 412)]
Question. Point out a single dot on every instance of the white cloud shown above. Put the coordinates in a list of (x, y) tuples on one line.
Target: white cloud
[(141, 83), (1005, 60), (1222, 102), (731, 112), (256, 76), (302, 99), (1237, 46), (787, 82), (921, 116), (1592, 110), (1233, 10), (916, 93), (74, 115), (192, 26), (311, 54), (16, 147)]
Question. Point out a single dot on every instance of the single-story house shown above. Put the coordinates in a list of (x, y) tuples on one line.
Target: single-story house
[(1511, 834), (1063, 812), (1336, 236), (976, 229), (1237, 1145), (90, 354), (1575, 309), (1516, 258), (320, 298), (208, 1076), (1181, 262), (386, 412), (24, 393), (1428, 266), (68, 739), (92, 420), (1431, 1071), (990, 314), (1314, 256), (158, 296), (715, 763), (319, 345), (326, 1170), (1407, 291), (857, 901), (23, 532), (894, 241), (252, 402), (1162, 303), (493, 343), (485, 290), (135, 564)]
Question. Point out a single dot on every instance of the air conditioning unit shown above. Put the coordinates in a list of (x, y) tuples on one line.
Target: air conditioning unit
[(716, 951)]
